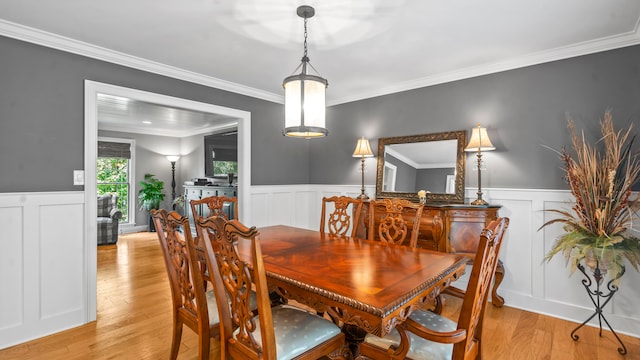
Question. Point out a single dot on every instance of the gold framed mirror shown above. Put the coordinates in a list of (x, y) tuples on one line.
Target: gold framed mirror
[(431, 162)]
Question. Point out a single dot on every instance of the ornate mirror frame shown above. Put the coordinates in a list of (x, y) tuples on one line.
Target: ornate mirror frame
[(457, 197)]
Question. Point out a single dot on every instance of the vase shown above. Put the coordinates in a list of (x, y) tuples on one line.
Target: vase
[(594, 262)]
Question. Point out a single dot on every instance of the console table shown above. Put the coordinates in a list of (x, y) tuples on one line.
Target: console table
[(451, 228)]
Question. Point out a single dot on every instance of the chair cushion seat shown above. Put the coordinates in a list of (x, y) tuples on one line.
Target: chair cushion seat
[(212, 305), (420, 348), (297, 331)]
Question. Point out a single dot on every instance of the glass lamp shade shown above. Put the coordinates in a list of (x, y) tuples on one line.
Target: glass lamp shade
[(173, 158), (304, 101), (362, 148), (479, 140)]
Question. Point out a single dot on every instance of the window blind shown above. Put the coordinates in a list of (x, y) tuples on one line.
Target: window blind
[(108, 149)]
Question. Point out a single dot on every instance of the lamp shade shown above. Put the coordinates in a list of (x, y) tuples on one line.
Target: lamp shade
[(173, 158), (304, 102), (362, 148), (479, 140)]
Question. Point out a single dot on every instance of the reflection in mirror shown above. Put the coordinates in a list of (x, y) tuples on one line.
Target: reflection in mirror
[(423, 166), (430, 162)]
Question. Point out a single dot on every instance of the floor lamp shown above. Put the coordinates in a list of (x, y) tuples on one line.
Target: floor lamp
[(363, 150), (172, 159), (479, 142)]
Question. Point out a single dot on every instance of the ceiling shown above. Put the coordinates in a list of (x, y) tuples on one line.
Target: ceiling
[(363, 48), (117, 113)]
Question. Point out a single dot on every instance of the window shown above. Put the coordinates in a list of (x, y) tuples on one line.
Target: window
[(114, 173)]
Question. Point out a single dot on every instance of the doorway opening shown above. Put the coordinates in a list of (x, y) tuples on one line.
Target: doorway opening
[(92, 89)]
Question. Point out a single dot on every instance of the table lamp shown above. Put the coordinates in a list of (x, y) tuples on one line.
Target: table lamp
[(479, 142), (363, 150)]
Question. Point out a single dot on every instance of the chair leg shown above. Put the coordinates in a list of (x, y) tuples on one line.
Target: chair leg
[(203, 346), (177, 337)]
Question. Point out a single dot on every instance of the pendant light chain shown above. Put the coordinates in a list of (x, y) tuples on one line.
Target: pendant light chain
[(305, 40)]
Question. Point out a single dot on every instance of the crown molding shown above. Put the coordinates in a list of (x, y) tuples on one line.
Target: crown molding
[(169, 132), (28, 34), (584, 48), (39, 37)]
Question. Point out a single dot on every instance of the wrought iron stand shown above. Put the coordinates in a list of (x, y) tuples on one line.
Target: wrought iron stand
[(599, 300)]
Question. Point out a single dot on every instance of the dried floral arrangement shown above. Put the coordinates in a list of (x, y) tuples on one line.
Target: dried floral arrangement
[(600, 177)]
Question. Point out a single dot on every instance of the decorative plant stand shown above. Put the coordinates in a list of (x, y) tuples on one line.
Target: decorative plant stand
[(599, 300)]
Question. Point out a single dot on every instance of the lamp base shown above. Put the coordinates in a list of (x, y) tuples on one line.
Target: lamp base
[(479, 201), (363, 196)]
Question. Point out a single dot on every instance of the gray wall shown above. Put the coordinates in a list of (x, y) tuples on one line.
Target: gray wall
[(42, 118), (523, 109), (434, 180), (406, 174)]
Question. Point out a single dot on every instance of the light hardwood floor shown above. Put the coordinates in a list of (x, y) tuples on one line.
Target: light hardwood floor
[(134, 320)]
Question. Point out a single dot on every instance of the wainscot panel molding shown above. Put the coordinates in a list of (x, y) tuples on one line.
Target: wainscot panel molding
[(44, 275), (42, 265), (530, 283)]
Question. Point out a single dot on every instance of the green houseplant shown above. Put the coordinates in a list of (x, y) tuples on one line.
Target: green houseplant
[(600, 178), (150, 196)]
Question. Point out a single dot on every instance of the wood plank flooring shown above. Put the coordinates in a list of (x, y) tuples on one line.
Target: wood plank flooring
[(134, 320)]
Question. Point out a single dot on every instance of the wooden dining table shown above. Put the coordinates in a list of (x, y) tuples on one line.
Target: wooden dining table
[(369, 284)]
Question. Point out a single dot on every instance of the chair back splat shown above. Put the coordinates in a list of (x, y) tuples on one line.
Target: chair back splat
[(211, 206), (344, 217), (234, 257), (191, 305), (434, 337), (399, 222)]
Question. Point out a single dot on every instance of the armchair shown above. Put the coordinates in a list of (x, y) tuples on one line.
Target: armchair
[(108, 219)]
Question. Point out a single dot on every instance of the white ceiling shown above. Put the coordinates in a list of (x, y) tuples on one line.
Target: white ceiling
[(124, 114), (364, 48)]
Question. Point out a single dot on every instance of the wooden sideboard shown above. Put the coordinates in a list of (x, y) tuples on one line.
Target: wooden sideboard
[(450, 228)]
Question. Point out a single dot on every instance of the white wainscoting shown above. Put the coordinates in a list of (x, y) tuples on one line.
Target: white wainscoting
[(42, 265), (44, 256), (530, 283)]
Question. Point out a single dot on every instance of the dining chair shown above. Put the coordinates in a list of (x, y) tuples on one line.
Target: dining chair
[(207, 207), (213, 206), (435, 337), (392, 225), (345, 215), (192, 306), (280, 332)]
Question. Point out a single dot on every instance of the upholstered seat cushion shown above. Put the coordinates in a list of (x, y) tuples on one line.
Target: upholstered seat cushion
[(212, 305), (420, 348), (297, 331)]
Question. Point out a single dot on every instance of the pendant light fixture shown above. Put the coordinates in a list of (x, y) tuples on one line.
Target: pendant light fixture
[(304, 95)]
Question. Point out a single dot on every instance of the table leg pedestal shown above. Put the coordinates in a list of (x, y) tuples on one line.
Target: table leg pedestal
[(354, 335), (599, 300)]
